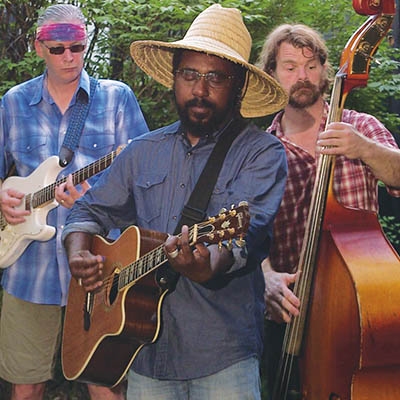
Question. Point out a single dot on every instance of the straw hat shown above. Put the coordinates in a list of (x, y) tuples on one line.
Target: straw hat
[(221, 32)]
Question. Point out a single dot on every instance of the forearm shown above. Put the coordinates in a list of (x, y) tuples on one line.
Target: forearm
[(266, 265), (76, 242), (384, 163)]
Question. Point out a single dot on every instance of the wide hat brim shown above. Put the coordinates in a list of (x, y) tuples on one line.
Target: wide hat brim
[(263, 95)]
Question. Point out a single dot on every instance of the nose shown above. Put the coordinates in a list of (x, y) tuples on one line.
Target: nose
[(302, 74), (200, 87), (68, 55)]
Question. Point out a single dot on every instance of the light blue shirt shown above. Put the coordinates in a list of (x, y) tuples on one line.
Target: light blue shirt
[(205, 328), (32, 129)]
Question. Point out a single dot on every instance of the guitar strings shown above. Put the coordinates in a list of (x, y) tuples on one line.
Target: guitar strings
[(135, 269), (294, 331), (46, 194)]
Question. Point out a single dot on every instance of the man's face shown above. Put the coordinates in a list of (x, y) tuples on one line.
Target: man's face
[(204, 103), (64, 59), (301, 75)]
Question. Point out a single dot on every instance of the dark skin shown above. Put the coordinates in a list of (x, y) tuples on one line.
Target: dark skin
[(201, 263)]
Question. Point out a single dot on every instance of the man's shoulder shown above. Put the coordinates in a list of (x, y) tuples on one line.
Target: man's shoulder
[(27, 88), (159, 133), (109, 84), (261, 135)]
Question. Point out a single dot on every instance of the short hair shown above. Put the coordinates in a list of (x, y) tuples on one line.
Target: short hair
[(61, 13)]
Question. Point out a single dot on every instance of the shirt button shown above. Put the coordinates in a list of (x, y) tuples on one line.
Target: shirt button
[(174, 217), (95, 145), (182, 185)]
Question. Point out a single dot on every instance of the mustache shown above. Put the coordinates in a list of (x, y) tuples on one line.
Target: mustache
[(302, 85), (199, 103)]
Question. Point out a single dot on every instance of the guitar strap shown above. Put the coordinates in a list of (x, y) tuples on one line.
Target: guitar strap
[(74, 129), (195, 209), (76, 124)]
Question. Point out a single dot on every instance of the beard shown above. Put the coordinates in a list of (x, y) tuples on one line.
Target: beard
[(304, 94), (200, 126)]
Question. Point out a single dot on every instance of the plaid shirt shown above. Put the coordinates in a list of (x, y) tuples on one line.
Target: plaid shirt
[(354, 186)]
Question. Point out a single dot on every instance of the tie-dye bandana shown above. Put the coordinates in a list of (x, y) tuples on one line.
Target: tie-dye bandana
[(61, 32)]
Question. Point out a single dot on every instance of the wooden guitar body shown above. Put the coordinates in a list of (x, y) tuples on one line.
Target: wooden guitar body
[(121, 322), (353, 350)]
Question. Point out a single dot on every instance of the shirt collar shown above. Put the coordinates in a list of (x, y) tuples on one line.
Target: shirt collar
[(276, 126), (42, 92), (209, 138)]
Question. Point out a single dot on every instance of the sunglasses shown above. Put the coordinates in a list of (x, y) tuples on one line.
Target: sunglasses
[(75, 48)]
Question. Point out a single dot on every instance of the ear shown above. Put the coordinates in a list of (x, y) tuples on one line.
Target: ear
[(39, 48)]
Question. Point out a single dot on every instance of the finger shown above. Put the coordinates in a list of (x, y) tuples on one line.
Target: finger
[(171, 244), (85, 187), (289, 308), (276, 313)]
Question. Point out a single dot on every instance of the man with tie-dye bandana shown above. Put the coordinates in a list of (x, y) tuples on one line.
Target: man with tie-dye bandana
[(33, 122)]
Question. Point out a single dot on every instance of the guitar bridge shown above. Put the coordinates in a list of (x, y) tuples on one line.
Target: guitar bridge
[(87, 311)]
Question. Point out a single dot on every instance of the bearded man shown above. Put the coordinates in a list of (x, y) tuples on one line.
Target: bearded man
[(365, 151)]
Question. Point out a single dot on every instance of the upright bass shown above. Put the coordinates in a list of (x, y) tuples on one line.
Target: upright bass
[(346, 340)]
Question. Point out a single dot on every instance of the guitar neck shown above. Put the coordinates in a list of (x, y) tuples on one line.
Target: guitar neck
[(149, 262), (225, 226), (142, 266), (47, 193)]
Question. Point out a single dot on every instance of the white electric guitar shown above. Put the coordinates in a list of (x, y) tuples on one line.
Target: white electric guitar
[(39, 188)]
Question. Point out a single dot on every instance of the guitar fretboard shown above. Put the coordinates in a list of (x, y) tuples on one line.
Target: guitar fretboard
[(141, 267), (151, 260), (46, 194)]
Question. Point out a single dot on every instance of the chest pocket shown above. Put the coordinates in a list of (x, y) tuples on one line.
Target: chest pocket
[(29, 152), (148, 192), (96, 145)]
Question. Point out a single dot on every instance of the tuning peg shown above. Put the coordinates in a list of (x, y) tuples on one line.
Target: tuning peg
[(223, 210), (240, 243), (227, 244), (243, 203)]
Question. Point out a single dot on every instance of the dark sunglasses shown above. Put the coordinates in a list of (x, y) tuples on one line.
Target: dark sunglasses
[(75, 48)]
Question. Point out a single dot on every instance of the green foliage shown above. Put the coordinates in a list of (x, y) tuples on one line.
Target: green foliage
[(114, 24), (391, 227)]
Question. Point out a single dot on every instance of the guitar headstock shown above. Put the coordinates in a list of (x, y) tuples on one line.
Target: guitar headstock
[(227, 225)]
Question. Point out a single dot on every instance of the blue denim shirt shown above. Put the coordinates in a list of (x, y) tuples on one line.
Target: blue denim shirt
[(205, 328), (32, 129)]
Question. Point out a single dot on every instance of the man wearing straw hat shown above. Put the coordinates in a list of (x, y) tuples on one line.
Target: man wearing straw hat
[(210, 339)]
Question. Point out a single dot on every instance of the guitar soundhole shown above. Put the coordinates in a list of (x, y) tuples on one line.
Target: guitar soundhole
[(114, 289)]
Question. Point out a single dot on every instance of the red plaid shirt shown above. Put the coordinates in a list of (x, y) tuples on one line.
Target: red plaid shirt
[(354, 186)]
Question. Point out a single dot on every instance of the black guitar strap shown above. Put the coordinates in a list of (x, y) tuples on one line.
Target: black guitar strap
[(195, 209)]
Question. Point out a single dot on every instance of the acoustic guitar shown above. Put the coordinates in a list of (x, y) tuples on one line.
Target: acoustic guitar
[(104, 330)]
